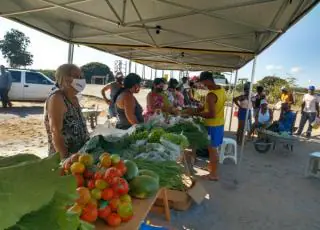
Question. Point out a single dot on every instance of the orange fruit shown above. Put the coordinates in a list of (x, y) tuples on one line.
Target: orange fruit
[(101, 184), (96, 193), (105, 161), (86, 159), (77, 168), (84, 195), (103, 155)]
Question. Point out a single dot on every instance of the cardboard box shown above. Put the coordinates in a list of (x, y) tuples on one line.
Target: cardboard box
[(182, 200)]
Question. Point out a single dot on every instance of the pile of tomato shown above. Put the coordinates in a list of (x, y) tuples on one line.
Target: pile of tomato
[(102, 190)]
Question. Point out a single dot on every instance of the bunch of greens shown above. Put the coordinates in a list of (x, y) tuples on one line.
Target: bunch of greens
[(195, 133), (170, 172), (177, 139), (99, 144), (155, 135), (34, 195)]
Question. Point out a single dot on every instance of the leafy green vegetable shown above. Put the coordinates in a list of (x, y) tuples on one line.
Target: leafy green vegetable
[(177, 139), (155, 135), (170, 172), (196, 134), (34, 196)]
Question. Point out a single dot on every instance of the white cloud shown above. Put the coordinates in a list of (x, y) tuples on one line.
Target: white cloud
[(295, 69), (274, 67)]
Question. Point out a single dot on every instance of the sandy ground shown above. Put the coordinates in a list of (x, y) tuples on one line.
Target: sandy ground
[(272, 192)]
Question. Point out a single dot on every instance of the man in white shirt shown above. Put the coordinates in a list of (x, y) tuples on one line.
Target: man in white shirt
[(309, 110)]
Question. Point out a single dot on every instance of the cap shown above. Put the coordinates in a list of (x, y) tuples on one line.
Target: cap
[(312, 88), (283, 88), (206, 76)]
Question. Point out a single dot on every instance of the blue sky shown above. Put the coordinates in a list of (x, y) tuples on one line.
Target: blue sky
[(295, 54)]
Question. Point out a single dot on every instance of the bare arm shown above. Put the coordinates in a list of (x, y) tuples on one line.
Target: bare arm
[(211, 113), (103, 92), (271, 115), (236, 101), (150, 104), (56, 110), (129, 105)]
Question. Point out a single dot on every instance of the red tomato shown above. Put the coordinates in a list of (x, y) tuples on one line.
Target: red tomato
[(91, 184), (121, 167), (80, 180), (114, 220), (114, 203), (107, 194), (121, 187), (110, 175), (89, 213), (98, 175), (103, 213)]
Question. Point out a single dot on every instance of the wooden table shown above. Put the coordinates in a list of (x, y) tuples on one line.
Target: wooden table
[(141, 208)]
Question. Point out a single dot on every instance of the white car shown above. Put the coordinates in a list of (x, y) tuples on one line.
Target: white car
[(28, 85)]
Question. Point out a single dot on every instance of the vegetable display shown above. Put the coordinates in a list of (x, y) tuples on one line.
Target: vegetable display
[(169, 172), (104, 187)]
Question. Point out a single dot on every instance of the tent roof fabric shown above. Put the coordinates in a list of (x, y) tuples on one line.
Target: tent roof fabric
[(218, 35)]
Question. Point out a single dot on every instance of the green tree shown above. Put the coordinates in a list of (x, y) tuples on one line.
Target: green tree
[(94, 69), (48, 72), (272, 86), (14, 48)]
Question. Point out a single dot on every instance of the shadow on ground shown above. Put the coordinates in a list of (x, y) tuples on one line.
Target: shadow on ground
[(271, 192), (22, 111)]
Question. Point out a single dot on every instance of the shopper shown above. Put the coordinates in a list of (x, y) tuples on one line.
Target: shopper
[(263, 117), (213, 113), (309, 110), (113, 87), (256, 99), (5, 86), (64, 122), (129, 111), (244, 107)]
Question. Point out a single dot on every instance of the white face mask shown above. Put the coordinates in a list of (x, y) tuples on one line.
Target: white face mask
[(165, 87), (78, 84)]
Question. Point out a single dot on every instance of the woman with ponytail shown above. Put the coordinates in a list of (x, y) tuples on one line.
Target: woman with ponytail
[(129, 111)]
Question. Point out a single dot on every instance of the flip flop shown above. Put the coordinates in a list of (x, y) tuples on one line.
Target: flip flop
[(208, 177)]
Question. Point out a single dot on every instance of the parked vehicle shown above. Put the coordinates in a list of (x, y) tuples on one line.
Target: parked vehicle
[(28, 85)]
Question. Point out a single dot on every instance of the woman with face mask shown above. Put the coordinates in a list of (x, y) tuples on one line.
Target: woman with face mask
[(157, 100), (128, 109), (65, 124)]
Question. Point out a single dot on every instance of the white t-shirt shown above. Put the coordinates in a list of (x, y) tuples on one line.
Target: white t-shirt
[(310, 103)]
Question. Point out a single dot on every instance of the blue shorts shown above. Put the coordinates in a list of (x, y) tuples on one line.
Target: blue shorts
[(242, 114), (215, 134)]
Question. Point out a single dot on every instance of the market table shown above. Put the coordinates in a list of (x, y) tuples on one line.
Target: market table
[(141, 208)]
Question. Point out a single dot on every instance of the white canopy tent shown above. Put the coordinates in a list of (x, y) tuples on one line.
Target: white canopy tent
[(219, 35), (194, 35)]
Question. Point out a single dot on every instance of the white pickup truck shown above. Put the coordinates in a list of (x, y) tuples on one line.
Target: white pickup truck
[(28, 85)]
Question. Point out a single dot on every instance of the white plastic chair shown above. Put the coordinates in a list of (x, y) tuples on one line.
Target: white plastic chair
[(228, 149), (313, 166)]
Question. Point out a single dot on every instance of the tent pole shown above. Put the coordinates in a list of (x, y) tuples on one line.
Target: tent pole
[(232, 104), (143, 72), (135, 68), (71, 45), (246, 121), (130, 63)]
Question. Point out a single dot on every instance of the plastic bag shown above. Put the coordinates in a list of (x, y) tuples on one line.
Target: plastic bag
[(316, 123), (105, 130), (171, 147)]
